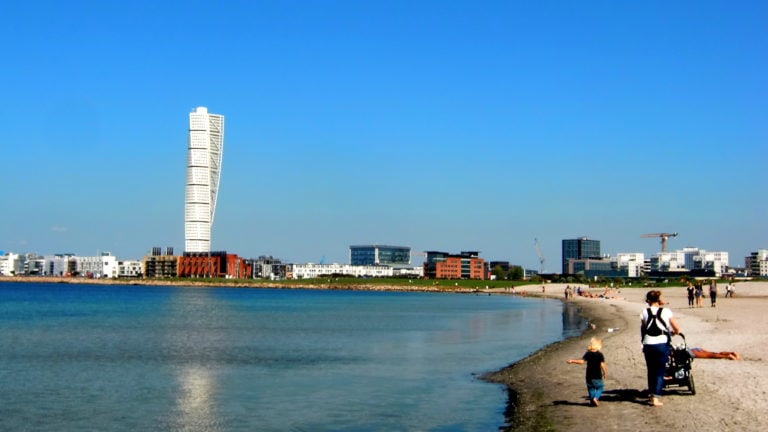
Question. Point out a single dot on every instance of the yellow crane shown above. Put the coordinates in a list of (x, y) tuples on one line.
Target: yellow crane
[(663, 237)]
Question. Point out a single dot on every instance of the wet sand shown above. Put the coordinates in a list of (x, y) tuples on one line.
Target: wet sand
[(546, 394)]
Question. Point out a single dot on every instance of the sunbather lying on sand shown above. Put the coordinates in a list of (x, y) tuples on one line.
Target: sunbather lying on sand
[(701, 353)]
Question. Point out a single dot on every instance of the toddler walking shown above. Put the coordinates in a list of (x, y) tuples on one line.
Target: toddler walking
[(596, 370)]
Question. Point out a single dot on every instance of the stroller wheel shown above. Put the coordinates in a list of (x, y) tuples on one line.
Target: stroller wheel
[(691, 385)]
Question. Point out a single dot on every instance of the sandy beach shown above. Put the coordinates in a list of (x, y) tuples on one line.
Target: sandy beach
[(546, 394)]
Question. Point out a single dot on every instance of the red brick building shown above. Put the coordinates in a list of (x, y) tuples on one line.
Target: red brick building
[(466, 265), (214, 265)]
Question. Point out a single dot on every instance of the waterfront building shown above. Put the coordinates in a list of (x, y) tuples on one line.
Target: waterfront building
[(213, 265), (416, 272), (102, 266), (130, 269), (716, 261), (757, 263), (204, 156), (11, 264), (632, 263), (395, 256), (59, 265), (591, 267), (266, 267), (669, 262), (502, 265), (690, 259), (580, 248), (443, 265), (311, 270), (158, 265)]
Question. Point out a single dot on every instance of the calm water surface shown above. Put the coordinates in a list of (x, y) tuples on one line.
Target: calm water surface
[(85, 357)]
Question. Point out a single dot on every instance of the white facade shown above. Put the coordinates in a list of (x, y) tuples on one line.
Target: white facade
[(416, 272), (763, 268), (632, 262), (204, 156), (691, 259), (310, 270), (130, 269), (11, 264), (57, 265), (717, 261), (97, 266), (757, 263), (668, 261)]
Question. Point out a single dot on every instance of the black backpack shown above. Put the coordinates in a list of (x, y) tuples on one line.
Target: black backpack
[(652, 327)]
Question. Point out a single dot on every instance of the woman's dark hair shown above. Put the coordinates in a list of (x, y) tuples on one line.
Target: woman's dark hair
[(653, 296)]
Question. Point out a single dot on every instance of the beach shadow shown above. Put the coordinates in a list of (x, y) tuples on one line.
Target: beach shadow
[(565, 402), (616, 395), (625, 395)]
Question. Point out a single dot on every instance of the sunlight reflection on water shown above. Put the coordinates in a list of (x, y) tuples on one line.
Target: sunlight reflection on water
[(160, 358)]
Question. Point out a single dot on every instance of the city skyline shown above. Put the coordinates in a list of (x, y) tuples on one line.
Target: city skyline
[(439, 126)]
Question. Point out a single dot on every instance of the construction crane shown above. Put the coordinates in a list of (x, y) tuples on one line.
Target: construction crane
[(541, 255), (663, 237)]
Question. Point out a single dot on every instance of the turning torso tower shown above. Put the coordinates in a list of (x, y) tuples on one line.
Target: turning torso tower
[(205, 149)]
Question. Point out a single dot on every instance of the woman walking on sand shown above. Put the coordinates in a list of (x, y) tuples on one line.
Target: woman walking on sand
[(689, 289), (699, 293), (656, 325)]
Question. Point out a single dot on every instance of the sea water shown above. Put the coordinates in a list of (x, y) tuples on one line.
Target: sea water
[(147, 358)]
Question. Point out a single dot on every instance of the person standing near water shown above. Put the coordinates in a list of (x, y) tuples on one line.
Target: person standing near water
[(656, 325), (713, 292)]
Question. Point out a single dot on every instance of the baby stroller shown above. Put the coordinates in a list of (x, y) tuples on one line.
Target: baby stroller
[(679, 371)]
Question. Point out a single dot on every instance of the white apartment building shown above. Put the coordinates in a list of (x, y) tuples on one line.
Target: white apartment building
[(59, 265), (669, 261), (632, 262), (97, 266), (11, 264), (310, 270), (707, 260), (416, 272), (204, 154), (757, 263), (130, 269), (690, 259)]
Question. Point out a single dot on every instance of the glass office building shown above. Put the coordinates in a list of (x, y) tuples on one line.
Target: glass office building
[(395, 256), (579, 248)]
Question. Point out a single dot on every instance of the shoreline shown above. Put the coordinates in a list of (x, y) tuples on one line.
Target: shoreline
[(523, 410), (546, 394), (191, 283)]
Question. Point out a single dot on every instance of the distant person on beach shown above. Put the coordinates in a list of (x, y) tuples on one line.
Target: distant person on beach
[(656, 325), (698, 292), (596, 370), (729, 290), (702, 353), (713, 293), (689, 289)]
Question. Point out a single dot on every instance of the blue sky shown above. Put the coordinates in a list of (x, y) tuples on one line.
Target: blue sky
[(439, 125)]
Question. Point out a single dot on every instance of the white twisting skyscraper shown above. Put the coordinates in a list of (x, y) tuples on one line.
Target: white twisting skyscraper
[(205, 149)]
